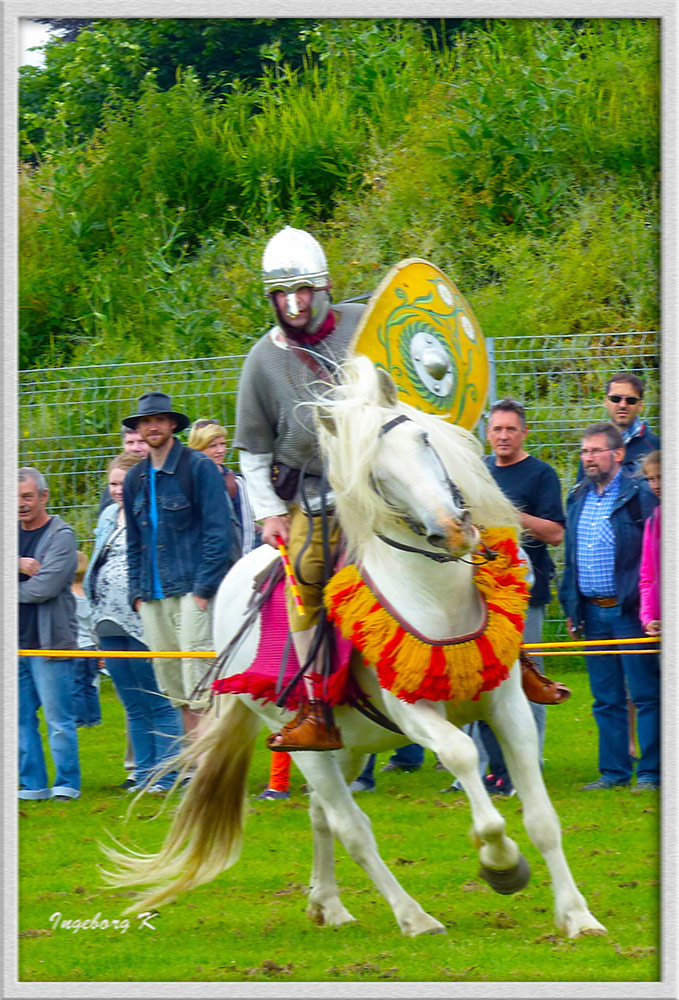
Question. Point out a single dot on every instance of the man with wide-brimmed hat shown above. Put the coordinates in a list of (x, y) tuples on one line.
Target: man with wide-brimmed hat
[(179, 547)]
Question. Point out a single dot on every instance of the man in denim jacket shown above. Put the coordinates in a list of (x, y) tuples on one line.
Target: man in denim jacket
[(599, 592), (179, 547)]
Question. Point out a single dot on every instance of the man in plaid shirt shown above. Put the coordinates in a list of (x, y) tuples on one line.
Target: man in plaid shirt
[(599, 591)]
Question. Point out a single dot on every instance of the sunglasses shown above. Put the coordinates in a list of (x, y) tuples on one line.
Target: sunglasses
[(630, 400), (204, 423)]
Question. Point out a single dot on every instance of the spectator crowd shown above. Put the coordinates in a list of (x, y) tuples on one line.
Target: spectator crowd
[(173, 519)]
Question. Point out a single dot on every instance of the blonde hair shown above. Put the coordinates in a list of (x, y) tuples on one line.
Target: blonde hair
[(653, 458), (125, 460), (81, 568), (203, 434)]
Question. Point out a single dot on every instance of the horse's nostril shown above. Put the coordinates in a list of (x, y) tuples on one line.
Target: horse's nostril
[(435, 539)]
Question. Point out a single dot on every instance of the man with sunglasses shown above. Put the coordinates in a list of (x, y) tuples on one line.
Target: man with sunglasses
[(599, 592), (624, 401)]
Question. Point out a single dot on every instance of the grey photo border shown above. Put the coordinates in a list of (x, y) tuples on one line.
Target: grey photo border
[(12, 12)]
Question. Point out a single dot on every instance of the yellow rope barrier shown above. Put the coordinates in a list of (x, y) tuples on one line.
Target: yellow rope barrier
[(99, 654), (590, 642), (591, 652), (572, 648)]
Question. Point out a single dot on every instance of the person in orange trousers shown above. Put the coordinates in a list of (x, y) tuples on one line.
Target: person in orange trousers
[(279, 777)]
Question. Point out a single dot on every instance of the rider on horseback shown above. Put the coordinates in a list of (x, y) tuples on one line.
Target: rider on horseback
[(278, 445)]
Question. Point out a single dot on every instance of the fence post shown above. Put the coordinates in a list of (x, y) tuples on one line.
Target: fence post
[(492, 386)]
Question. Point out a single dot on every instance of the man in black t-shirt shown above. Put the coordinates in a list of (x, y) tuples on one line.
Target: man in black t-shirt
[(533, 487)]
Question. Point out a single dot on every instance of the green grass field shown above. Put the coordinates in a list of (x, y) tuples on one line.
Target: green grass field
[(250, 924)]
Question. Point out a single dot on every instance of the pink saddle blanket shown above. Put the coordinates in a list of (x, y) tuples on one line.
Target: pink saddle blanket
[(262, 680)]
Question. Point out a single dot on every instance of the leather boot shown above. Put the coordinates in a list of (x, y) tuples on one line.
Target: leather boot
[(539, 688), (307, 731)]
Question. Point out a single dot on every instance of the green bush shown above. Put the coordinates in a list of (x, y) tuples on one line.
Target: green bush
[(521, 157)]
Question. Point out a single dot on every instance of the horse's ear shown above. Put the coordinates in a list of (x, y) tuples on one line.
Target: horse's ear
[(326, 420), (388, 393)]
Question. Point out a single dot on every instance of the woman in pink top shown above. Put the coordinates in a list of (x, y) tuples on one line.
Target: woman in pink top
[(649, 574)]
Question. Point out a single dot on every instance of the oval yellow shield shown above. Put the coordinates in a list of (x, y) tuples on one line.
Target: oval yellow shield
[(421, 329)]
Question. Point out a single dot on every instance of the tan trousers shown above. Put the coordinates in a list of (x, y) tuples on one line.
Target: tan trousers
[(177, 623), (311, 592)]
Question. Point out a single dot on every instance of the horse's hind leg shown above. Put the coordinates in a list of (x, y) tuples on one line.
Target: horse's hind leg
[(334, 812), (325, 906), (515, 729)]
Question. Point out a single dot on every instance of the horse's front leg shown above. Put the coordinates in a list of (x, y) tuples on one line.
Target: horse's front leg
[(502, 863), (514, 726), (349, 824)]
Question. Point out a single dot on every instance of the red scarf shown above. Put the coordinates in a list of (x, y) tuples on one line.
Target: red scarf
[(309, 339)]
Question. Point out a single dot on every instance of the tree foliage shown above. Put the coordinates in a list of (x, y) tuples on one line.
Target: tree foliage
[(98, 63), (521, 156)]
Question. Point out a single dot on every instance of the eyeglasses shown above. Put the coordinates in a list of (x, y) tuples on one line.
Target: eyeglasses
[(630, 400), (593, 452)]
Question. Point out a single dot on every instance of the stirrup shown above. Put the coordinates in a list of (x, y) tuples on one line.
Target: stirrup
[(307, 731), (537, 687)]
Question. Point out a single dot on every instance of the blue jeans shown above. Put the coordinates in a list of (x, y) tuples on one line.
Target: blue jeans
[(607, 675), (155, 726), (86, 706), (47, 682), (411, 755)]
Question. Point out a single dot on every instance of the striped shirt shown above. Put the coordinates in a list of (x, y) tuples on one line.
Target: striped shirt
[(596, 542)]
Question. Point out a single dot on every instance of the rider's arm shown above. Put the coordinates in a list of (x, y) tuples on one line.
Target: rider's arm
[(268, 508)]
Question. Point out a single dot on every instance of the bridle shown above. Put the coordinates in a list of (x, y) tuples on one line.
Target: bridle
[(418, 529)]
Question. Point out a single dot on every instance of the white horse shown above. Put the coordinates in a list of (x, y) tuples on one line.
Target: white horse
[(392, 469)]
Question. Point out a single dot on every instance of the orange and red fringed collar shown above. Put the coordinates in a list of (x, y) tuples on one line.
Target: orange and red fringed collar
[(411, 666)]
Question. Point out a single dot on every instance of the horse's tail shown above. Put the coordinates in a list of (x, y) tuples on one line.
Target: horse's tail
[(207, 831)]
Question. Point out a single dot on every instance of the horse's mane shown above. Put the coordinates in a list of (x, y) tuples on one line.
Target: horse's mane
[(350, 439)]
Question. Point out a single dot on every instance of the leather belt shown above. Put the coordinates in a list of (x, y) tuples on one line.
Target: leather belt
[(604, 602)]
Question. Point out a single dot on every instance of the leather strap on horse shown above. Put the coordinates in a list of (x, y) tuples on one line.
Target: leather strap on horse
[(324, 638), (362, 703)]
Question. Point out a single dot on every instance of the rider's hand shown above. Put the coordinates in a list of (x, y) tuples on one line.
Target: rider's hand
[(652, 628), (278, 525)]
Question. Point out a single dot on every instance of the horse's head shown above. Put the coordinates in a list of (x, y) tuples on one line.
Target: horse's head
[(417, 489), (388, 478)]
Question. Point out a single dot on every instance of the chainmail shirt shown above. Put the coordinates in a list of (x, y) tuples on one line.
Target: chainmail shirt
[(274, 385)]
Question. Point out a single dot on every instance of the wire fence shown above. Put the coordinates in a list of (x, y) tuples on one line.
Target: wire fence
[(70, 418)]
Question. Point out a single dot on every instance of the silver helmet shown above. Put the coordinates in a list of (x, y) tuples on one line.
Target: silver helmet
[(293, 259)]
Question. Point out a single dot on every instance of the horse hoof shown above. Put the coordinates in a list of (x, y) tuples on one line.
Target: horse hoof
[(508, 881)]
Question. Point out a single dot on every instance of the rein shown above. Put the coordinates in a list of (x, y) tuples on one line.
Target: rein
[(458, 499)]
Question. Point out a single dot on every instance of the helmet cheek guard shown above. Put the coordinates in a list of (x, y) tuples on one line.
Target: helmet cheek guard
[(293, 259)]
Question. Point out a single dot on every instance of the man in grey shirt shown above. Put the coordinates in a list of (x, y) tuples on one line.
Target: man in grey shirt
[(275, 431), (47, 564)]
